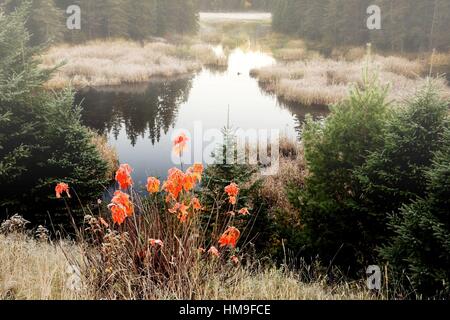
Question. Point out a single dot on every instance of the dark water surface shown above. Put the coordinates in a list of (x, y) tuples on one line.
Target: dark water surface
[(140, 120)]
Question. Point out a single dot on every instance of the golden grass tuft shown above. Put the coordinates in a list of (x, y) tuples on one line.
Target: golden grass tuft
[(209, 56), (439, 59), (291, 54), (107, 152)]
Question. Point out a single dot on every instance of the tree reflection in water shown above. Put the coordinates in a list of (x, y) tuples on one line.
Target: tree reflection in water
[(146, 109)]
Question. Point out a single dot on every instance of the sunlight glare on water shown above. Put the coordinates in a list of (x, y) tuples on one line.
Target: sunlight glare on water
[(140, 123)]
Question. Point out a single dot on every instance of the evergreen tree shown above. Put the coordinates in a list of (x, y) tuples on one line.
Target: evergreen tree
[(334, 227), (144, 12), (45, 23), (115, 18), (314, 12), (42, 141), (395, 174), (419, 253), (407, 25), (255, 227)]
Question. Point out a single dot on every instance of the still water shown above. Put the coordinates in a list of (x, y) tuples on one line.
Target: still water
[(140, 120)]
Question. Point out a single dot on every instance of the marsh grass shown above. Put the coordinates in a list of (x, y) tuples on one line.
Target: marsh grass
[(320, 81), (115, 62), (439, 59), (209, 56)]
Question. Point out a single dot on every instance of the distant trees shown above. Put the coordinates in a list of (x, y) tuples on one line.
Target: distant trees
[(179, 16), (235, 5), (137, 19), (45, 23), (407, 25)]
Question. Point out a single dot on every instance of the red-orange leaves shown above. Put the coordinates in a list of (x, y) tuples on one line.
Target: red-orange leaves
[(174, 184), (230, 237), (196, 204), (62, 188), (156, 243), (153, 185), (121, 207), (197, 171), (123, 176), (232, 190), (181, 210), (244, 212), (214, 252)]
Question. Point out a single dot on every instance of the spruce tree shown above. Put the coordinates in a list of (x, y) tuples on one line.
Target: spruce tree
[(395, 174), (45, 23), (42, 141), (419, 253), (143, 16), (334, 227)]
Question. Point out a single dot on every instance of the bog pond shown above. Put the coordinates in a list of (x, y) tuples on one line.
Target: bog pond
[(140, 120)]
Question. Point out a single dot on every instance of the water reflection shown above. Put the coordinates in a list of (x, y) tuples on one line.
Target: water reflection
[(144, 110), (300, 112), (139, 120)]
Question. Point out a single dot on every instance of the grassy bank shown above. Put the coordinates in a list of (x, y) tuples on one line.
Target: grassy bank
[(322, 81), (40, 270), (116, 262), (115, 62)]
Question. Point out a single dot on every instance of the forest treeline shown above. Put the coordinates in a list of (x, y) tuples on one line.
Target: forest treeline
[(407, 25), (235, 5), (136, 19)]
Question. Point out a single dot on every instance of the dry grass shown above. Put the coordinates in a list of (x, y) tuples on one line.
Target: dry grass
[(34, 270), (293, 50), (292, 171), (320, 81), (440, 59), (108, 153), (276, 284), (209, 56), (349, 54), (291, 54), (101, 63)]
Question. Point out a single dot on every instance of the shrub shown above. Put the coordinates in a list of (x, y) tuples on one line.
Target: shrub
[(420, 248), (334, 227), (365, 163), (219, 175), (395, 173), (161, 241)]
